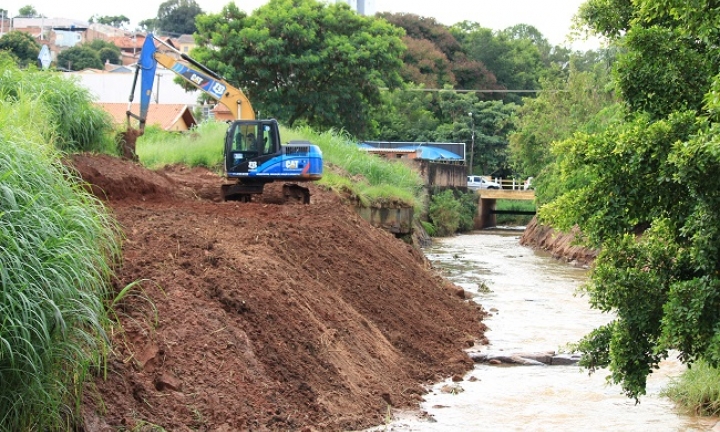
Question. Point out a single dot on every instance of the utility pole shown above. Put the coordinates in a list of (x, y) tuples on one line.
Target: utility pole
[(472, 143)]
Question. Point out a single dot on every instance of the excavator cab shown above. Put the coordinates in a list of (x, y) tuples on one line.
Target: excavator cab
[(255, 156), (250, 140)]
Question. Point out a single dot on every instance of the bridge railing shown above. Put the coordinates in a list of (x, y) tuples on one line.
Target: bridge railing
[(514, 184)]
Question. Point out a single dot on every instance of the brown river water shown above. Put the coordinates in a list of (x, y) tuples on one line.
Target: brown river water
[(535, 307)]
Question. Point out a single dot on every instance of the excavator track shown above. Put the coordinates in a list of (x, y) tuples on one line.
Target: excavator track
[(294, 193), (291, 193)]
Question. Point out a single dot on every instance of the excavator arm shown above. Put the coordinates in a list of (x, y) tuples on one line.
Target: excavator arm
[(191, 71)]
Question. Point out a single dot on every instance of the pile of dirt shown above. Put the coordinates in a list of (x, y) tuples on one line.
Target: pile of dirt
[(258, 316)]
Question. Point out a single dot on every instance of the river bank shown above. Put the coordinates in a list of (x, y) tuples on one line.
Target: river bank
[(560, 245)]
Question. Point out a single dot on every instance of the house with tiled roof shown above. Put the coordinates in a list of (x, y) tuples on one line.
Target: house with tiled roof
[(169, 117), (184, 43), (130, 47)]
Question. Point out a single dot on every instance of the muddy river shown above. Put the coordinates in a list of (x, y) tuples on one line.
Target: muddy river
[(535, 308)]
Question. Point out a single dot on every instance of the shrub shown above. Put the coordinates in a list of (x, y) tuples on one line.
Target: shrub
[(445, 213)]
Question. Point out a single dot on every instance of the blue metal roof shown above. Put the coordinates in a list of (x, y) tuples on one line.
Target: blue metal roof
[(432, 153), (423, 150)]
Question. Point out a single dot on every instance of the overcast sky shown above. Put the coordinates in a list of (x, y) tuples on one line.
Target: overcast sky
[(551, 17)]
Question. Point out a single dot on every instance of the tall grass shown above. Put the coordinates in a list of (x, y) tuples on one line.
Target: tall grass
[(375, 179), (204, 146), (697, 390), (74, 123), (57, 249)]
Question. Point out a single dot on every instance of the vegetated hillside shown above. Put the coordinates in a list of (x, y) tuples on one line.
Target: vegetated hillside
[(261, 316)]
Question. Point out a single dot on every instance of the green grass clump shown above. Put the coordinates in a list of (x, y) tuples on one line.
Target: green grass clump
[(74, 123), (203, 146), (697, 390), (58, 246)]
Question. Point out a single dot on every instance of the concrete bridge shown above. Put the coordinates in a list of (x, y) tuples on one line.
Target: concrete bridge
[(487, 199)]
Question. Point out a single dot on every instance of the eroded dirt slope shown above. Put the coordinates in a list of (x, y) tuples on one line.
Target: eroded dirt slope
[(260, 316)]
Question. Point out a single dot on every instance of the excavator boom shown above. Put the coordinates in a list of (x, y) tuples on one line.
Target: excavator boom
[(191, 71)]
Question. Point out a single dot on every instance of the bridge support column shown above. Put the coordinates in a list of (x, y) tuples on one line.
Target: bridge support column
[(485, 217)]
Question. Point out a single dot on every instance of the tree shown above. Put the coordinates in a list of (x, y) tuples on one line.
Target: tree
[(516, 62), (405, 115), (426, 28), (436, 58), (177, 17), (649, 198), (114, 21), (22, 45), (79, 58), (149, 25), (27, 11), (107, 51), (425, 64), (580, 102), (304, 61)]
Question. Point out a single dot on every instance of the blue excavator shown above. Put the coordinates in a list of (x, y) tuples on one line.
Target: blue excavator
[(254, 154)]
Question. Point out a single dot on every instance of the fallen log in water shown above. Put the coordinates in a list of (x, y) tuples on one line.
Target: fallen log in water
[(549, 358)]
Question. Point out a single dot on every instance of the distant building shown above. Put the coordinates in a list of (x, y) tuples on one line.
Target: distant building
[(363, 7), (185, 43), (115, 86), (169, 117)]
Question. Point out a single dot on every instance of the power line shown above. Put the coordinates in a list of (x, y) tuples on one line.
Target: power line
[(473, 91)]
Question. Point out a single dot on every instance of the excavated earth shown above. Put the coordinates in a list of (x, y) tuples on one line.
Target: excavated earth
[(560, 245), (262, 317)]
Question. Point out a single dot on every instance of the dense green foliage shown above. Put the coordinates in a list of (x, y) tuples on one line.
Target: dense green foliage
[(22, 45), (302, 61), (450, 212), (581, 102), (444, 213), (78, 58), (27, 11), (91, 55), (177, 17), (58, 246), (107, 51), (444, 117), (652, 174), (73, 123)]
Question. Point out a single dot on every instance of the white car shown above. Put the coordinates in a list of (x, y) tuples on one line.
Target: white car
[(478, 182)]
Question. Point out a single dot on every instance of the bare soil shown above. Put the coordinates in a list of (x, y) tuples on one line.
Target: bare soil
[(562, 246), (259, 316)]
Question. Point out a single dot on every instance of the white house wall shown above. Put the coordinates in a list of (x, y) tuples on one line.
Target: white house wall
[(114, 87)]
